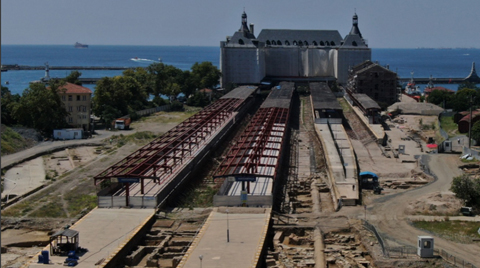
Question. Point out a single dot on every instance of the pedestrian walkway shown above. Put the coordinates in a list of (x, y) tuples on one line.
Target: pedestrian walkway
[(234, 239)]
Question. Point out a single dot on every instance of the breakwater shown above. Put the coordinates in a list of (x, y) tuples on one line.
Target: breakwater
[(16, 67)]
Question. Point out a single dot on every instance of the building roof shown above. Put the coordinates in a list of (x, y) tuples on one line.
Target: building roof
[(430, 89), (366, 101), (309, 36), (280, 96), (65, 232), (368, 65), (475, 114), (323, 97), (75, 89)]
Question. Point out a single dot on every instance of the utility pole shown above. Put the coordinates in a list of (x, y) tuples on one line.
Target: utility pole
[(471, 119)]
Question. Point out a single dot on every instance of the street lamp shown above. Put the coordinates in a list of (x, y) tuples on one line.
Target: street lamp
[(228, 230), (470, 127), (201, 258)]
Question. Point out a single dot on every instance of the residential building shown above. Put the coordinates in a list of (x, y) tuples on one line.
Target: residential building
[(378, 82), (78, 102)]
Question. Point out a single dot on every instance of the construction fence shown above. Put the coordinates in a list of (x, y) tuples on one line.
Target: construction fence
[(410, 251)]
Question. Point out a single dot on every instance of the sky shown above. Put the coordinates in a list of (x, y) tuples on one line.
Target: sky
[(384, 23)]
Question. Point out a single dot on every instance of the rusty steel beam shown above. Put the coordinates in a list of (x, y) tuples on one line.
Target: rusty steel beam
[(175, 144)]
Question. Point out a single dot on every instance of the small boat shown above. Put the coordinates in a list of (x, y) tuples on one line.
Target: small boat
[(136, 59), (79, 45), (7, 83)]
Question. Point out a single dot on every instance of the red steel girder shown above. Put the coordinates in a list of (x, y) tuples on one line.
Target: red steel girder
[(179, 139), (259, 136)]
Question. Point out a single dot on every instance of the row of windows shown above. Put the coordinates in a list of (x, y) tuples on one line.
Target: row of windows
[(70, 119), (79, 108), (297, 43), (70, 98)]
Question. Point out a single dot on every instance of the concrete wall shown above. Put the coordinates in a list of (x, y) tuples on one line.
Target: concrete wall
[(242, 65), (349, 57), (234, 201)]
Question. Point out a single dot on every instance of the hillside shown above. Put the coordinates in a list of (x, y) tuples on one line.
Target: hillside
[(17, 139)]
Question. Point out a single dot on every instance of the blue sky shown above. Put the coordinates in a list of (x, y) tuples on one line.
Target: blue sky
[(384, 23)]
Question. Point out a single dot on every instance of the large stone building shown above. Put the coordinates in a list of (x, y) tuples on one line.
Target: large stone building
[(378, 82), (313, 54), (78, 102)]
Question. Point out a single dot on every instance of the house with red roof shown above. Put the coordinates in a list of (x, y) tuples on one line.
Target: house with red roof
[(77, 101), (428, 90)]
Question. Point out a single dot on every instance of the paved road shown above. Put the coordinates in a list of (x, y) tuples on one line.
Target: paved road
[(388, 213), (47, 146)]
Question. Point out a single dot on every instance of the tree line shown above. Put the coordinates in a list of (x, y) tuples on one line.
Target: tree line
[(458, 101), (40, 106)]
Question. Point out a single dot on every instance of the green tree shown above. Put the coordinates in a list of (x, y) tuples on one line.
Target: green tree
[(461, 99), (199, 99), (41, 108), (476, 131), (440, 97), (467, 189), (118, 96), (467, 84), (73, 78), (205, 75), (8, 102)]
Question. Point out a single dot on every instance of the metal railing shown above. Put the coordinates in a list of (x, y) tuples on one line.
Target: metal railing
[(459, 262), (410, 251)]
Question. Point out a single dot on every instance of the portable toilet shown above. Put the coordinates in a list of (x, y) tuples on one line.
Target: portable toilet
[(447, 146), (425, 247)]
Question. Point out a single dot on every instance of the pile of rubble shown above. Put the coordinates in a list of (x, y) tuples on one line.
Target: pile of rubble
[(345, 250), (292, 248)]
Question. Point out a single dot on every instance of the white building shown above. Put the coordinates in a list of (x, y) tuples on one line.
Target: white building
[(295, 54)]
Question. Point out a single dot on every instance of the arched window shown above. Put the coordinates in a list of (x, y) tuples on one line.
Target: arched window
[(240, 41), (354, 43), (274, 43), (300, 43), (315, 43), (279, 43), (306, 43), (332, 43), (295, 43), (287, 43), (327, 43), (268, 42), (322, 43)]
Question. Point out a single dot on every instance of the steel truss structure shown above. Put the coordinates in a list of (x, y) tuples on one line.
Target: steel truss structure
[(257, 153), (159, 159)]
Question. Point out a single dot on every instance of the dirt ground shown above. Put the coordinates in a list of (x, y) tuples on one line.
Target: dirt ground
[(71, 171)]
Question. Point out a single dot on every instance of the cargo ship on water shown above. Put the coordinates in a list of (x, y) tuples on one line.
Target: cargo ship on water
[(79, 45)]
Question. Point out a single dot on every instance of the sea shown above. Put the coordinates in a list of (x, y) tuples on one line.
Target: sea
[(421, 62)]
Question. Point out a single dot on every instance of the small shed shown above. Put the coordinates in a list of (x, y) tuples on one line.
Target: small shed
[(64, 241), (368, 179)]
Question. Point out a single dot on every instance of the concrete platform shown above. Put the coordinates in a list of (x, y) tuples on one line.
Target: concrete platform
[(248, 229), (24, 178), (104, 232)]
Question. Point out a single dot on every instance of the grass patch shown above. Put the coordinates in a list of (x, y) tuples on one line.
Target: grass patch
[(449, 126), (344, 105), (11, 141), (458, 231), (199, 197), (141, 137), (50, 210), (171, 117), (77, 203)]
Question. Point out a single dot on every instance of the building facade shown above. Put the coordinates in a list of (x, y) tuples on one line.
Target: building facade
[(321, 54), (378, 82), (77, 101)]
